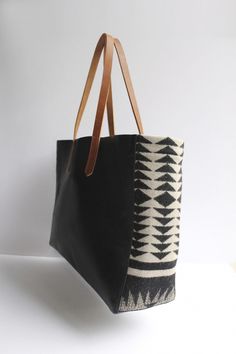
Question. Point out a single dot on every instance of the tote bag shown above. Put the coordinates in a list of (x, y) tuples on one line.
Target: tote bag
[(116, 217)]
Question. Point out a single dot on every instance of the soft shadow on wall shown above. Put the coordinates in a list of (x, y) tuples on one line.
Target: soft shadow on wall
[(61, 294), (28, 210)]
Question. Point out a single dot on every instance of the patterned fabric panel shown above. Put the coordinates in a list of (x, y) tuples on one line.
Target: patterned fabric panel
[(155, 242)]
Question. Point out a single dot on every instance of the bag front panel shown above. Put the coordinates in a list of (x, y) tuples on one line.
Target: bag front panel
[(93, 216), (156, 223)]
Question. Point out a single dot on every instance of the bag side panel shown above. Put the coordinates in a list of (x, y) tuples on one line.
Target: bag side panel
[(155, 240)]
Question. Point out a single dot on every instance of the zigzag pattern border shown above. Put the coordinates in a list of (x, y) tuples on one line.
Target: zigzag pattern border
[(155, 240)]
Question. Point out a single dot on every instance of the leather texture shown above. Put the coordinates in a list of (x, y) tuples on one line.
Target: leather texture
[(106, 42)]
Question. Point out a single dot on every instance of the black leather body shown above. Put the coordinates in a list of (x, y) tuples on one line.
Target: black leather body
[(93, 216)]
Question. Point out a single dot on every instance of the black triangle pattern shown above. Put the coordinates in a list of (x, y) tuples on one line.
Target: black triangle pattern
[(155, 237), (140, 175), (161, 246), (138, 244), (161, 255), (144, 140), (166, 177), (143, 293), (138, 227), (166, 168), (164, 211), (165, 187), (140, 166), (167, 141), (141, 157), (140, 197), (136, 252), (165, 199), (162, 238), (140, 209), (139, 218), (164, 221), (138, 236), (166, 159), (163, 229), (168, 151), (141, 148), (139, 184)]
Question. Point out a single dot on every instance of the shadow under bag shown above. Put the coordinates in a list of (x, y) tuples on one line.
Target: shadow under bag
[(116, 216)]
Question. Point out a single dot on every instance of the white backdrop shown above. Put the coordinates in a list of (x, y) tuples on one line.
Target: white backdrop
[(182, 59)]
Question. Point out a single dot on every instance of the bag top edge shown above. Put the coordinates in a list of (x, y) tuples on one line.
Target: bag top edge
[(156, 138), (152, 138)]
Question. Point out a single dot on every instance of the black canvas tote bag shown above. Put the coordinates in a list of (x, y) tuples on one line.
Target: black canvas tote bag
[(116, 217)]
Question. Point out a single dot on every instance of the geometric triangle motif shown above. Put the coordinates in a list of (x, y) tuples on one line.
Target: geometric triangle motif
[(180, 189), (165, 187), (139, 184), (179, 199), (138, 244), (166, 168), (165, 199), (141, 157), (138, 227), (140, 197), (160, 255), (146, 298), (141, 148), (157, 188), (139, 218), (164, 211), (143, 140), (163, 221), (168, 151), (140, 166), (163, 229), (166, 159), (140, 175), (162, 238), (166, 177), (139, 209), (136, 253), (138, 236), (167, 141), (161, 246)]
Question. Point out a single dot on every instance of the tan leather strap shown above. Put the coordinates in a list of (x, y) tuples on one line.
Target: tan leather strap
[(130, 90), (128, 83), (110, 114), (90, 78), (105, 41), (94, 146)]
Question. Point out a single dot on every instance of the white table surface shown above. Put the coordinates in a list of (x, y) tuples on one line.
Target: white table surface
[(46, 307)]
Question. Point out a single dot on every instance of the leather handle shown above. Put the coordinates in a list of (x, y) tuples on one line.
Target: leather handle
[(94, 146), (126, 75), (110, 113), (130, 90), (105, 42), (90, 78)]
